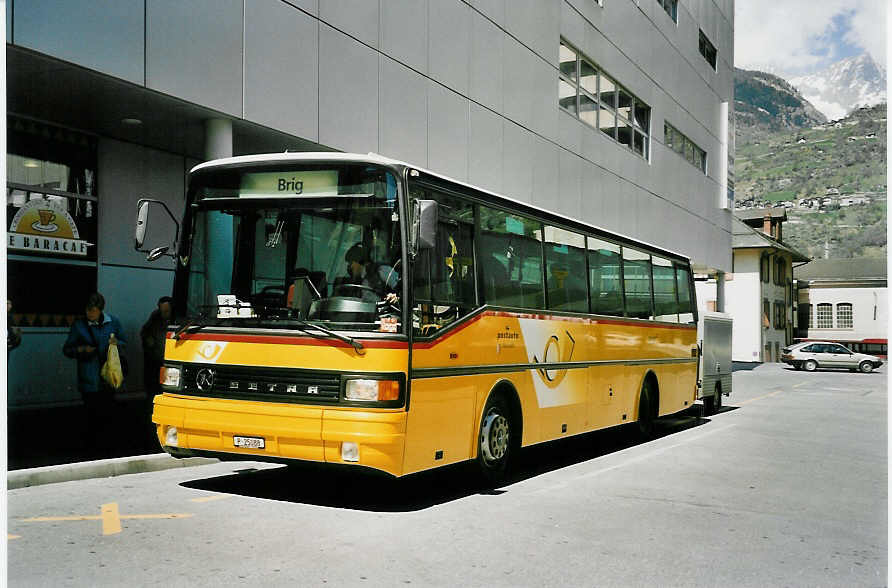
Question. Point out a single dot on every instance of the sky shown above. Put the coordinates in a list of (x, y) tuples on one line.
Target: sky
[(797, 37)]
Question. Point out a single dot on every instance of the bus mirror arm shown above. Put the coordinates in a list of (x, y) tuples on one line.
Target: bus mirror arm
[(142, 221), (424, 225)]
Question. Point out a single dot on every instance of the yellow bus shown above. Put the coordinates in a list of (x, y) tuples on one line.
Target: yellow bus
[(353, 309)]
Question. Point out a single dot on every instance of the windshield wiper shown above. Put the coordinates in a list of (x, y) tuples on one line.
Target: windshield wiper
[(191, 323), (308, 325)]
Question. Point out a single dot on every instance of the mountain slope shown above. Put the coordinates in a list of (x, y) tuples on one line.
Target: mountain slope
[(844, 86), (766, 103)]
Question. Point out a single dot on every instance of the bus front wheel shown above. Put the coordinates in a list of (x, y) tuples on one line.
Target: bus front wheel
[(494, 440)]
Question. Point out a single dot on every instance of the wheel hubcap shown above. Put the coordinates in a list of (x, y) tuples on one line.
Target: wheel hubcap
[(494, 437)]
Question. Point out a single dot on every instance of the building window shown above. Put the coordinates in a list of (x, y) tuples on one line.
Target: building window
[(809, 315), (766, 313), (844, 315), (780, 269), (707, 50), (764, 265), (51, 213), (686, 148), (780, 315), (595, 98), (671, 8), (824, 318)]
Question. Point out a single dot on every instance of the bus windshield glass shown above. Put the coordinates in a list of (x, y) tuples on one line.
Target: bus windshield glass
[(286, 246)]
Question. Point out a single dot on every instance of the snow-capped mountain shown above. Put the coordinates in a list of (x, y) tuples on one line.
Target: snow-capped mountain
[(844, 86)]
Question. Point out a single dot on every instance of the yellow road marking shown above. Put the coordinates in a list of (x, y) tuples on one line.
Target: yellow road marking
[(209, 498), (776, 392), (159, 516), (111, 520), (110, 516), (96, 518), (53, 519), (10, 536), (800, 384)]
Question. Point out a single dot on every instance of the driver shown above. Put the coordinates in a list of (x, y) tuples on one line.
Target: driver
[(362, 271)]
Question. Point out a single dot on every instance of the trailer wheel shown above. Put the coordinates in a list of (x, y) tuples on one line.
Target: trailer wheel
[(713, 404)]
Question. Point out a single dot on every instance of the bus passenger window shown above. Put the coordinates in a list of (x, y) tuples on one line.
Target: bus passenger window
[(510, 254), (665, 295), (564, 260), (636, 283), (604, 277), (685, 295)]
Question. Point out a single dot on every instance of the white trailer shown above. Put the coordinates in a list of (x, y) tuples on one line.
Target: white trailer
[(714, 370)]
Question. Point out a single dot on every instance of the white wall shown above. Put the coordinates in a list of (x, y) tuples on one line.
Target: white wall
[(870, 312), (743, 301)]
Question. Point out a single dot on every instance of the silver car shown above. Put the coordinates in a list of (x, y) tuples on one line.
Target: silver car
[(811, 355)]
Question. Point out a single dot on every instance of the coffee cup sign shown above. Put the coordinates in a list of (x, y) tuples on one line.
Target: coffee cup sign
[(46, 215), (40, 227)]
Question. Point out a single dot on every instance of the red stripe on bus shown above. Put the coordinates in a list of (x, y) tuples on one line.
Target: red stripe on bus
[(285, 340), (571, 319)]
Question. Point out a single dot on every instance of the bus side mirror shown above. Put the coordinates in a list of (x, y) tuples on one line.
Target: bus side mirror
[(424, 225), (143, 207), (142, 217)]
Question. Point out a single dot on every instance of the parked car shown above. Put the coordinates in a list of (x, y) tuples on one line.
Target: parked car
[(811, 355)]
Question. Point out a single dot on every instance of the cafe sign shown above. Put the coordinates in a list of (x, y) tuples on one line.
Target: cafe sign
[(40, 227)]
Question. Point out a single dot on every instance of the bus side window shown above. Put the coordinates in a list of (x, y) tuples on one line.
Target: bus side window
[(564, 258), (636, 283), (665, 291), (510, 254), (604, 277), (685, 295)]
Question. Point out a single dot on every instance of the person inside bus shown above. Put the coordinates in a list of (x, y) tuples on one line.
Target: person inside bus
[(362, 271)]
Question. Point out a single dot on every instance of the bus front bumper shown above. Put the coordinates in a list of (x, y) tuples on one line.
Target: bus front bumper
[(352, 436)]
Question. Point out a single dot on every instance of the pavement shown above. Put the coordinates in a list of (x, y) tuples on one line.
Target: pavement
[(51, 445)]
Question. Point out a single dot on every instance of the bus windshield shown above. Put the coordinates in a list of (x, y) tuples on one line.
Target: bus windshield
[(280, 247)]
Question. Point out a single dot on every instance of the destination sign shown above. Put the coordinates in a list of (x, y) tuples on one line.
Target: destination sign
[(289, 184)]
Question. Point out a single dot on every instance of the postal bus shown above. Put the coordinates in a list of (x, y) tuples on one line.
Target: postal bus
[(480, 324)]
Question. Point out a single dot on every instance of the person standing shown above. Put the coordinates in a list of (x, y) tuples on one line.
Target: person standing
[(88, 342), (154, 335), (13, 333)]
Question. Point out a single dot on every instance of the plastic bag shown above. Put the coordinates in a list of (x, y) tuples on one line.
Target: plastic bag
[(111, 370)]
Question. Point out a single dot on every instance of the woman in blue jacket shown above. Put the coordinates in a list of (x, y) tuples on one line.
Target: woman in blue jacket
[(88, 342)]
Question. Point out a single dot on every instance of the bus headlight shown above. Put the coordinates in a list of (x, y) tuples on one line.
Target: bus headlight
[(372, 390), (170, 376)]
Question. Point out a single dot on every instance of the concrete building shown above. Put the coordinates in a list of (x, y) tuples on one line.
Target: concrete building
[(844, 300), (760, 289), (613, 112)]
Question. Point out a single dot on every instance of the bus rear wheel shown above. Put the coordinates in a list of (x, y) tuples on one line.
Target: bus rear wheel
[(494, 440), (646, 411)]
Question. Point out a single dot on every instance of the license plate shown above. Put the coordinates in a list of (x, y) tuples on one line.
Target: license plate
[(249, 442)]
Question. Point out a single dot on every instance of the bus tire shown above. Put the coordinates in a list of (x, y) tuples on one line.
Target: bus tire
[(717, 399), (494, 439), (646, 411)]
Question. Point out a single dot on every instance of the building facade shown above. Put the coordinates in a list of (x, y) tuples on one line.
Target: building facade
[(760, 289), (613, 112), (844, 300)]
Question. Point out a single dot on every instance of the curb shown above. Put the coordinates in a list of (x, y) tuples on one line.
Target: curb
[(103, 468)]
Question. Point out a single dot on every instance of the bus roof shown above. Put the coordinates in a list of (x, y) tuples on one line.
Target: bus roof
[(375, 159)]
